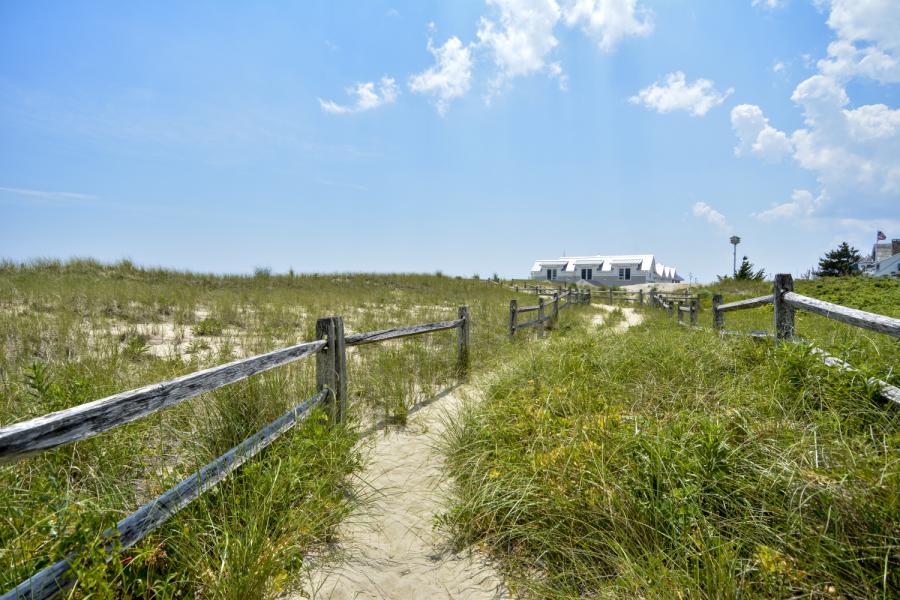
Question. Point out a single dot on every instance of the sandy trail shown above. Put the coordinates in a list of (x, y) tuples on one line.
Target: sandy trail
[(390, 547), (632, 317)]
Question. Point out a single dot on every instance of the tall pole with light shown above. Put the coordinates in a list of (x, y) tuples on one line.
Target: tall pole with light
[(735, 240)]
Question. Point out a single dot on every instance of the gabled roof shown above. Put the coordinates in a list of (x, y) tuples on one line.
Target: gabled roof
[(603, 262)]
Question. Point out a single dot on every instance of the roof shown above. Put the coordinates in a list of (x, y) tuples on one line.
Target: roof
[(604, 262)]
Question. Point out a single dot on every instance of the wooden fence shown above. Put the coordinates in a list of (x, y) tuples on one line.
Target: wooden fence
[(89, 419), (787, 302), (571, 297)]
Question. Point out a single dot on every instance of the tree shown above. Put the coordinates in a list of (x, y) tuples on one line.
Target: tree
[(839, 262), (745, 272)]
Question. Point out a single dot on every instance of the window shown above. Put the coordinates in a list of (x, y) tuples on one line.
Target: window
[(625, 273), (587, 274), (551, 274)]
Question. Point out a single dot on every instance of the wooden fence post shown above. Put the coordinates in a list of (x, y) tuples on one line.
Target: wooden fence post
[(555, 320), (589, 296), (610, 296), (718, 317), (678, 311), (640, 297), (695, 308), (541, 316), (513, 315), (462, 345), (331, 366), (784, 314), (669, 306)]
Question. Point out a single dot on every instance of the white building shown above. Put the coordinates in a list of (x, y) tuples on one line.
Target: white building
[(605, 270), (883, 262)]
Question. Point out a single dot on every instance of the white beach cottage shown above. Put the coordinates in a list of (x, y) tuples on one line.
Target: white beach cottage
[(605, 270)]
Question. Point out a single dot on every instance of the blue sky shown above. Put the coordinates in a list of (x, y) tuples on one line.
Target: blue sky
[(467, 137)]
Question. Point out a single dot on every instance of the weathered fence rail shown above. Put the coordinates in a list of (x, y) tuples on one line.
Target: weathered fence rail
[(89, 419)]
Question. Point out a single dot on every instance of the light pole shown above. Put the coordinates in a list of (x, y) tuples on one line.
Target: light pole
[(735, 240)]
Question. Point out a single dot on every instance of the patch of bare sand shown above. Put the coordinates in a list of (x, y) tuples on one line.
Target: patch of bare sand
[(631, 317), (390, 547)]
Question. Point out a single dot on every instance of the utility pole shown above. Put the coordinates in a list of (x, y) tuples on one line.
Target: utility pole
[(735, 240)]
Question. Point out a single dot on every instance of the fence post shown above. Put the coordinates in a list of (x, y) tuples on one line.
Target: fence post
[(669, 306), (589, 296), (640, 297), (555, 320), (784, 314), (695, 308), (462, 347), (541, 316), (678, 312), (513, 314), (331, 366), (653, 297), (718, 317)]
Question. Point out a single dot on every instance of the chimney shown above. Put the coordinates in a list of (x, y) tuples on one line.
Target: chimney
[(895, 246)]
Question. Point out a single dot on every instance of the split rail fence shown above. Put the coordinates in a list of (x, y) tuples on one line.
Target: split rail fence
[(92, 418), (570, 297), (786, 302)]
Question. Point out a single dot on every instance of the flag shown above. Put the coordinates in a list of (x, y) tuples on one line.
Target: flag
[(881, 236)]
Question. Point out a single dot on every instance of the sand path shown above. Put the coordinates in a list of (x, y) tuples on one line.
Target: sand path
[(632, 317), (390, 548)]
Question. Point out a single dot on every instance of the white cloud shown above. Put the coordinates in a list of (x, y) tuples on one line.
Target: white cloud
[(867, 44), (449, 78), (802, 204), (697, 98), (756, 136), (855, 153), (704, 211), (778, 67), (523, 38), (609, 21), (368, 96)]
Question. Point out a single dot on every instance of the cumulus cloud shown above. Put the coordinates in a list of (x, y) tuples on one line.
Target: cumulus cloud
[(867, 43), (704, 211), (756, 136), (802, 204), (368, 96), (609, 21), (449, 78), (522, 38), (676, 93), (854, 152)]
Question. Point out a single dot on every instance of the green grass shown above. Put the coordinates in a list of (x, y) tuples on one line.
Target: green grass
[(668, 462), (76, 331)]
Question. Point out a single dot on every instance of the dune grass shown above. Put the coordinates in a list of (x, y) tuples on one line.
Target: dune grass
[(669, 462), (79, 330)]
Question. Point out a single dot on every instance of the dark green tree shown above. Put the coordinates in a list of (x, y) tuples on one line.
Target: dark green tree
[(839, 262), (746, 273)]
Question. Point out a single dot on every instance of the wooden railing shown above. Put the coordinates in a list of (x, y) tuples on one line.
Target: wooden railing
[(677, 304), (787, 302), (571, 297), (89, 419)]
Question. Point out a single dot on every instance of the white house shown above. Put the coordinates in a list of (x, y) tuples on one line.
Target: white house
[(605, 270), (883, 262)]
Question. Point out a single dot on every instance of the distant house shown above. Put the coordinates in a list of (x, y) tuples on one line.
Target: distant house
[(605, 270), (883, 262)]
